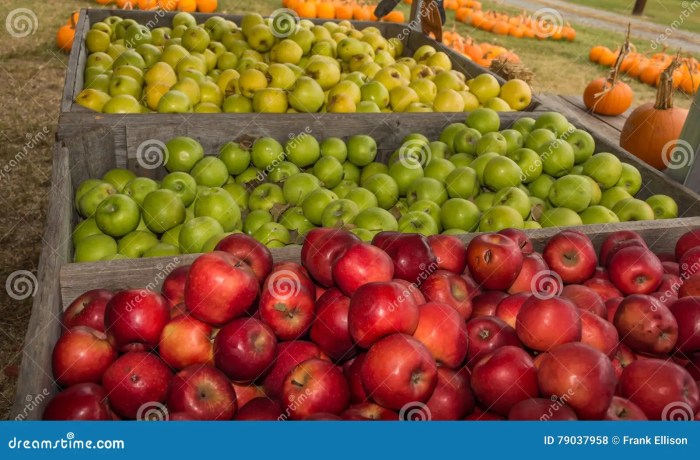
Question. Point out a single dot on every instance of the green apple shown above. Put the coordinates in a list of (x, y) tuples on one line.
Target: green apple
[(219, 205), (499, 217), (664, 206), (502, 172), (172, 236), (195, 233), (578, 170), (426, 188), (281, 171), (531, 225), (465, 141), (298, 187), (139, 187), (484, 200), (459, 213), (552, 121), (462, 160), (348, 88), (598, 215), (439, 169), (479, 164), (237, 103), (385, 188), (524, 125), (315, 203), (239, 194), (559, 217), (540, 186), (362, 150), (210, 172), (630, 179), (273, 235), (483, 120), (351, 172), (418, 222), (462, 182), (427, 207), (516, 93), (190, 87), (363, 234), (87, 227), (303, 150), (195, 39), (557, 158), (306, 95), (343, 188), (294, 220), (118, 177), (529, 162), (371, 169), (340, 213), (497, 104), (266, 197), (375, 92), (94, 248), (255, 219), (162, 250), (175, 101), (449, 135), (93, 98), (182, 154), (117, 215), (439, 149), (136, 243), (270, 100), (537, 138), (583, 145), (605, 168), (514, 140), (484, 87), (334, 147), (376, 220), (123, 103), (515, 198), (425, 89), (97, 41), (235, 157), (182, 184), (162, 210), (324, 70), (265, 152), (573, 192), (633, 209), (612, 196), (286, 51), (405, 172), (492, 142), (329, 171), (363, 198), (448, 100), (596, 192), (211, 94), (250, 176)]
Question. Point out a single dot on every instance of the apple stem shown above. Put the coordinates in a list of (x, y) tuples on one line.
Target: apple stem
[(297, 384)]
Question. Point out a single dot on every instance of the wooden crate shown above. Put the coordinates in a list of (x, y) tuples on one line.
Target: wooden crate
[(74, 115), (100, 149)]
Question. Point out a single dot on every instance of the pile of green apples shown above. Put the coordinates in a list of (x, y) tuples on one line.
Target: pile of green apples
[(219, 66), (537, 173)]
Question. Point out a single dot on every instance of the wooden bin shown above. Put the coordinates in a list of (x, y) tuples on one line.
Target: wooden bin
[(100, 149), (73, 115)]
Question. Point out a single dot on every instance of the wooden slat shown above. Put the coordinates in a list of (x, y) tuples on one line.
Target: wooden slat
[(614, 122)]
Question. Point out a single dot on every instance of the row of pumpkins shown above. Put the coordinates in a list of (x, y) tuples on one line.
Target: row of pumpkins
[(520, 26), (481, 53), (339, 9)]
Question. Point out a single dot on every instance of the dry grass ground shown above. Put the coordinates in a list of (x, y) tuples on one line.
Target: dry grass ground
[(32, 74)]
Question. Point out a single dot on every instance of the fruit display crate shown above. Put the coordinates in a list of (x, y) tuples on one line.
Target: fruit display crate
[(74, 118), (97, 150)]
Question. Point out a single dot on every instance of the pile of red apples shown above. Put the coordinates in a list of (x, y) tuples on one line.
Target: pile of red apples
[(405, 328)]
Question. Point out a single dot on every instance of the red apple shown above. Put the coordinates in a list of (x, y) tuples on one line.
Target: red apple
[(260, 409), (598, 333), (474, 289), (508, 308), (689, 263), (690, 287), (186, 341), (369, 411), (635, 270), (181, 417), (585, 299), (81, 355), (413, 258), (134, 319), (604, 288), (613, 242), (289, 355), (611, 305), (533, 266), (398, 370), (544, 323), (84, 401), (580, 376), (687, 241), (204, 392), (494, 261), (380, 309), (360, 264), (315, 386), (480, 416), (245, 349), (486, 334), (485, 304), (245, 392), (687, 314), (178, 310), (646, 325), (662, 389), (624, 410), (571, 255), (351, 371), (321, 249), (450, 252), (671, 268), (250, 251), (443, 332), (135, 383), (286, 306), (520, 237), (600, 273), (622, 358), (295, 272), (173, 288), (411, 290), (453, 398), (449, 289), (330, 327), (219, 288), (543, 410), (88, 310)]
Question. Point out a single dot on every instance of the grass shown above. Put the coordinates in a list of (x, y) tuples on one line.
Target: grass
[(32, 73), (658, 11)]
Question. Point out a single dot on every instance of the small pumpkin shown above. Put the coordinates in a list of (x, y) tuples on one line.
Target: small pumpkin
[(610, 96), (651, 129)]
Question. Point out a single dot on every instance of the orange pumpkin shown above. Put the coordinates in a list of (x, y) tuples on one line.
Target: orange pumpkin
[(500, 28), (146, 5), (638, 67), (596, 52), (65, 37), (360, 13), (462, 14), (189, 6), (306, 9), (651, 73), (325, 10), (343, 11), (394, 16), (207, 6), (651, 130), (605, 98)]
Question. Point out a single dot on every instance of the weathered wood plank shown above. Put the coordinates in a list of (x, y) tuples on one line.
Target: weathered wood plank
[(614, 122)]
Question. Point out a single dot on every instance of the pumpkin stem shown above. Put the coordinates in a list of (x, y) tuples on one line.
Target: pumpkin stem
[(664, 95), (624, 51)]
